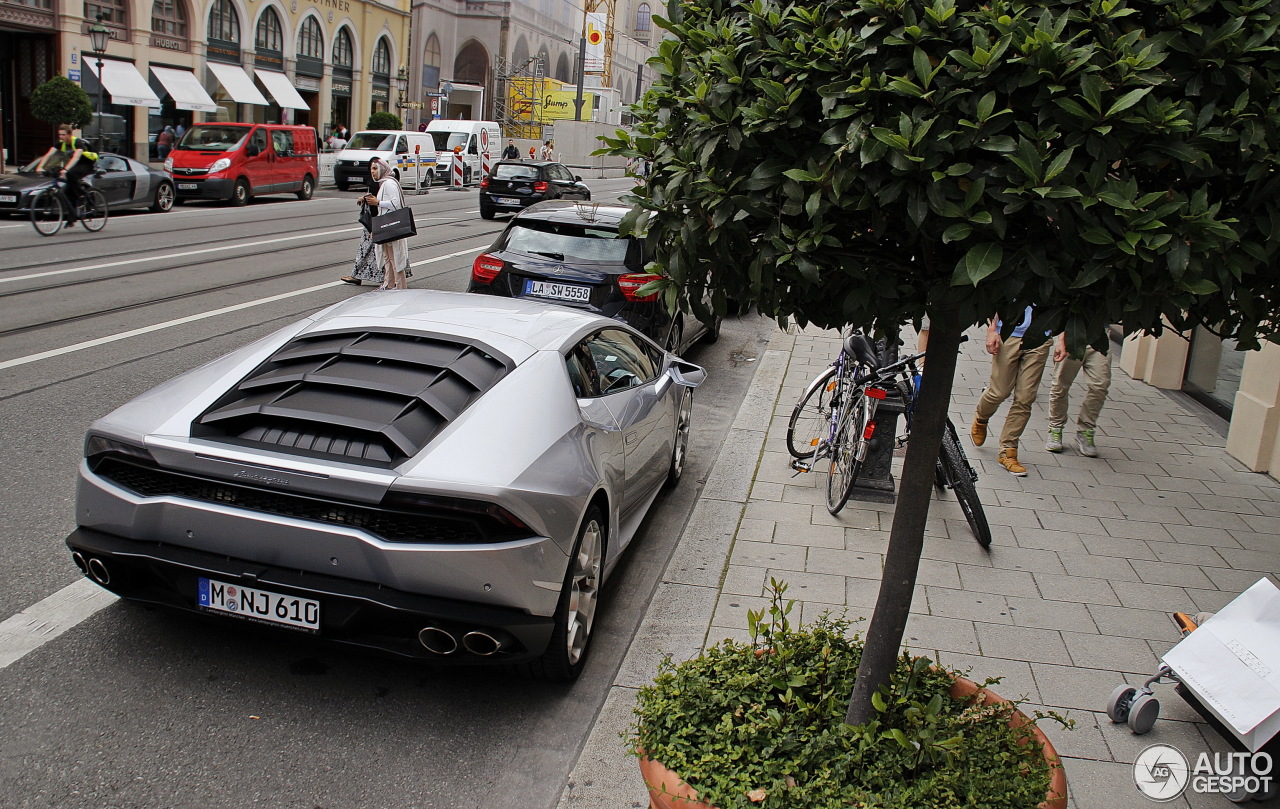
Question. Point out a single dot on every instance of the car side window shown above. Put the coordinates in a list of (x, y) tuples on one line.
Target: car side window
[(402, 145), (282, 142), (582, 373), (111, 164), (563, 173), (471, 149), (257, 143), (621, 362)]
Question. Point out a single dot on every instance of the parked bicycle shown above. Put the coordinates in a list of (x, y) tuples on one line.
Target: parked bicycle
[(835, 420), (50, 208)]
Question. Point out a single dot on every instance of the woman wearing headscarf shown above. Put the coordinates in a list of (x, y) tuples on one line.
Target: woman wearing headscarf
[(386, 264)]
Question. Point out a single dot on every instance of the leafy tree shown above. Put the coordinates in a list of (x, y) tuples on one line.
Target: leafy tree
[(384, 120), (61, 101), (868, 162)]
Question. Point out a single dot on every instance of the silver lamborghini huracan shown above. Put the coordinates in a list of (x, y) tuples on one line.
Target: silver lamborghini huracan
[(436, 475)]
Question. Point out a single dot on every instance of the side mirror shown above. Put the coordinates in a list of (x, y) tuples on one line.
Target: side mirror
[(686, 374), (577, 178)]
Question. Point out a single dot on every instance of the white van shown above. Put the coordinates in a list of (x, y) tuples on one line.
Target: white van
[(470, 135), (395, 146)]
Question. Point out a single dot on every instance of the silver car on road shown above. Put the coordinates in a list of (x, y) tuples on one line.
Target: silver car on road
[(430, 474)]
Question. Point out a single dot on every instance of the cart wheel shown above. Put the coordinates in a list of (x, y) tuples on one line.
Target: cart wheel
[(1143, 713), (1118, 705)]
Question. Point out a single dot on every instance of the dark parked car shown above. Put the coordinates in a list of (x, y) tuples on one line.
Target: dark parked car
[(514, 185), (125, 183), (570, 253)]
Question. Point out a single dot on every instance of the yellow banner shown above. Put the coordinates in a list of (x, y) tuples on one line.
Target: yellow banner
[(545, 100)]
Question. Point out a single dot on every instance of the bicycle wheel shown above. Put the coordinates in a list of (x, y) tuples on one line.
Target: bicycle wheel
[(811, 416), (848, 451), (46, 212), (961, 478), (94, 214)]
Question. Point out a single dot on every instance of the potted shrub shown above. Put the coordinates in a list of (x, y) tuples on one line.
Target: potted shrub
[(761, 725)]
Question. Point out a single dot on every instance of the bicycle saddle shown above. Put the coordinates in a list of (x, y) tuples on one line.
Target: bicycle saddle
[(860, 347)]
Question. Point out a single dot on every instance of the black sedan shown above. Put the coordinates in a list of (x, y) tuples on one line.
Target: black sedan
[(570, 253), (513, 185), (125, 182)]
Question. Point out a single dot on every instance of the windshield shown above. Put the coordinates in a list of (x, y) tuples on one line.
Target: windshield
[(213, 138), (377, 141), (445, 141), (556, 239)]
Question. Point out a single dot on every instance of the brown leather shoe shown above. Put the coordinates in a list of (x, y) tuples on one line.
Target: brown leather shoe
[(1008, 458), (978, 432)]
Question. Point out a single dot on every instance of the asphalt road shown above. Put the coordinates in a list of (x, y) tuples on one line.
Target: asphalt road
[(139, 707)]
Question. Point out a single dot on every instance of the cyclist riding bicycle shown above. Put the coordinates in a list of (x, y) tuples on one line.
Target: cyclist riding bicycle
[(76, 162)]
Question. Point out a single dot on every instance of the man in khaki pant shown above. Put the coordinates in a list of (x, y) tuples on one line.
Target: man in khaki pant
[(1013, 370), (1097, 373)]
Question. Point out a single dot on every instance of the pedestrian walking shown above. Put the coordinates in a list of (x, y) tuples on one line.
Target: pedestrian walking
[(1014, 370), (512, 152), (548, 151), (396, 253), (164, 142), (1097, 374), (179, 132)]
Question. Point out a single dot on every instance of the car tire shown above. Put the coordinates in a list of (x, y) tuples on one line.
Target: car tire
[(587, 198), (712, 334), (164, 199), (308, 188), (566, 653), (466, 175), (341, 184), (674, 337), (486, 212), (680, 451), (240, 194)]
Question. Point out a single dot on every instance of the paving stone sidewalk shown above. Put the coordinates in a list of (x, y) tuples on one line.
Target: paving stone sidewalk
[(1089, 557)]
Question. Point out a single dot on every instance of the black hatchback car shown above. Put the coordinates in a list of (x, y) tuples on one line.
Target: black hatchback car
[(570, 253), (513, 185)]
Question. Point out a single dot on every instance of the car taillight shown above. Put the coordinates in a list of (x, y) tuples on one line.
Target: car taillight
[(486, 268), (540, 187), (631, 283), (484, 181)]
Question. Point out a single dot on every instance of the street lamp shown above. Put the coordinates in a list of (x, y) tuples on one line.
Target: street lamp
[(402, 85), (98, 36)]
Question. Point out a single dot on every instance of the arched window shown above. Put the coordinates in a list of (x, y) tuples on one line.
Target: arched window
[(342, 52), (224, 23), (472, 64), (269, 36), (311, 39), (431, 63), (382, 58), (169, 18), (644, 19), (114, 12), (562, 68)]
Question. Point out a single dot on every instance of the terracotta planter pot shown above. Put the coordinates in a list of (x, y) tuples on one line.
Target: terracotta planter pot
[(669, 791)]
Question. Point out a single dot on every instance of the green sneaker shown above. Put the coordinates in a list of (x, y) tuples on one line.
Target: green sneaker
[(1054, 444), (1084, 442)]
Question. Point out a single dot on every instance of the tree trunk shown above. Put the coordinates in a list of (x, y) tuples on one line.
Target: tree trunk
[(906, 537)]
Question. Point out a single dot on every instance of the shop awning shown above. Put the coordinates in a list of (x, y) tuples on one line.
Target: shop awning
[(282, 89), (125, 84), (238, 84), (187, 92)]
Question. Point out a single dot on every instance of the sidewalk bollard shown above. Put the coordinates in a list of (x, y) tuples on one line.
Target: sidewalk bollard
[(485, 165), (875, 483), (456, 183)]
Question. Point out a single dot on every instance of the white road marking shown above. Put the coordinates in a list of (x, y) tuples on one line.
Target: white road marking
[(124, 335), (45, 620), (145, 259)]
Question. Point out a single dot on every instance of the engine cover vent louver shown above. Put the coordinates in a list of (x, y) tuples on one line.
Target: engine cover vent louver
[(370, 397)]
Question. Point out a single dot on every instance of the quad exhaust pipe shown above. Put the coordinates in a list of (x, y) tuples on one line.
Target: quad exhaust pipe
[(92, 567), (438, 640)]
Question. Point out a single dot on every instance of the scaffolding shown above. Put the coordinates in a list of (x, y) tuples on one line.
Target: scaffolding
[(520, 90)]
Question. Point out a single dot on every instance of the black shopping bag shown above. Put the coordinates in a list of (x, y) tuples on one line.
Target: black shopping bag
[(393, 225)]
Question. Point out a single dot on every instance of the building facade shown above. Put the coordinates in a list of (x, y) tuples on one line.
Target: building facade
[(178, 62), (466, 52)]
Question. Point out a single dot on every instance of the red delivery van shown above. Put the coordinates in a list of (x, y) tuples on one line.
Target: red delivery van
[(237, 162)]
